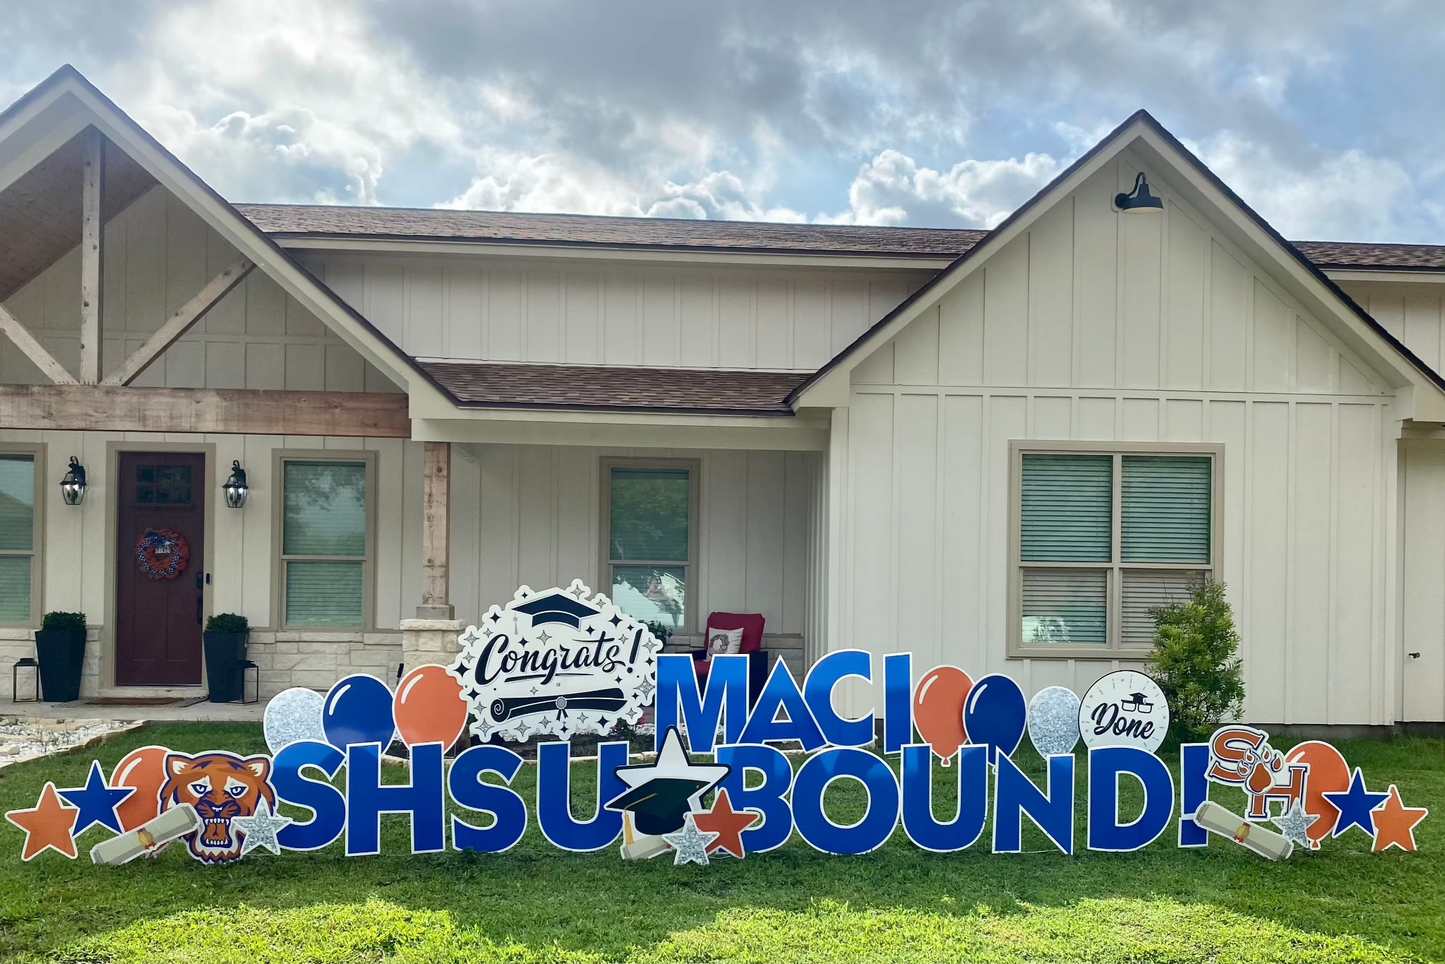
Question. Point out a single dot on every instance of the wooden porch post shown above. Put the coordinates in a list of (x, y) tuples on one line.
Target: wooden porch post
[(92, 273), (436, 531)]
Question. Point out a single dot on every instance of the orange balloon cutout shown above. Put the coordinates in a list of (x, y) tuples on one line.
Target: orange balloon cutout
[(429, 708), (144, 769), (1328, 774), (938, 709)]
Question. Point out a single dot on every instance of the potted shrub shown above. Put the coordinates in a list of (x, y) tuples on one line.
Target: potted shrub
[(225, 652), (60, 648)]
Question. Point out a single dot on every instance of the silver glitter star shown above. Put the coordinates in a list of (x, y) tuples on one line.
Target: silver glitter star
[(1295, 824), (690, 843), (645, 687), (483, 728), (260, 830)]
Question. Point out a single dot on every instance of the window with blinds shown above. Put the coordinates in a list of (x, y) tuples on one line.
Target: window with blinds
[(1103, 540), (18, 538), (324, 543), (649, 540)]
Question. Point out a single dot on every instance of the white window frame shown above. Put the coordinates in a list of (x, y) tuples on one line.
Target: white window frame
[(1114, 648), (278, 538), (692, 594), (37, 452)]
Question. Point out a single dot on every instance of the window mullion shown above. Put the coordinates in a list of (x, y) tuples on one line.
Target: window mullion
[(1115, 587)]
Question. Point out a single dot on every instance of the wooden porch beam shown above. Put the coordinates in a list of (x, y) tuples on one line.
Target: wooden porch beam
[(92, 276), (235, 411), (436, 530), (33, 350), (178, 324)]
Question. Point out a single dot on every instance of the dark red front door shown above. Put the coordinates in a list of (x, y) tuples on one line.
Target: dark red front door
[(159, 598)]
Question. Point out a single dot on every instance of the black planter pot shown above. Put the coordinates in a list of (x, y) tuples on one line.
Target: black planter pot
[(225, 652), (62, 655)]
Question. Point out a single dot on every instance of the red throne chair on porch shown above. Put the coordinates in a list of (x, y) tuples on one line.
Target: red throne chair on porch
[(752, 647)]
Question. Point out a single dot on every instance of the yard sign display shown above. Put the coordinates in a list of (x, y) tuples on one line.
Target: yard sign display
[(560, 663)]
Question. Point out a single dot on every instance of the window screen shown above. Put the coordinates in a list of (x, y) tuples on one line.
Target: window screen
[(649, 542), (17, 536), (323, 543), (1106, 539)]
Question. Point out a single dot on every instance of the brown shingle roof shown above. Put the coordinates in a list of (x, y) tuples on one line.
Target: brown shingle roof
[(321, 220), (312, 220), (1398, 257), (611, 388)]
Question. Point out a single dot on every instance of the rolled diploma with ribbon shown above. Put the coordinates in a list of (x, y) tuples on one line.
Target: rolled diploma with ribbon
[(149, 838), (1216, 819), (640, 846)]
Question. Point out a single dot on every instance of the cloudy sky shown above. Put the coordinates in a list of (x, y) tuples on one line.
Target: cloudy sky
[(1324, 115)]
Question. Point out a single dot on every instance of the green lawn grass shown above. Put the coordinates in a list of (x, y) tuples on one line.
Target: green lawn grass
[(899, 903)]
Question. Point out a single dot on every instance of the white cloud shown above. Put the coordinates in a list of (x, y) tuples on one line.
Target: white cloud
[(303, 105), (1344, 196), (565, 183), (745, 110), (894, 189)]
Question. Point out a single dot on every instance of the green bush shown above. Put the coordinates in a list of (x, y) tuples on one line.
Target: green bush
[(63, 622), (228, 623), (1195, 661)]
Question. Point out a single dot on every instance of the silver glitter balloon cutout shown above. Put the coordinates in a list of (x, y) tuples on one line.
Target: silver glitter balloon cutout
[(292, 716), (1054, 720)]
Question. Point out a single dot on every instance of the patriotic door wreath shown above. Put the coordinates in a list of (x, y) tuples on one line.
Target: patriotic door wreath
[(162, 553)]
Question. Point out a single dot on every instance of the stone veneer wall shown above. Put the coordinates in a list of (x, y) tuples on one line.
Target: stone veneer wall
[(317, 659), (283, 659)]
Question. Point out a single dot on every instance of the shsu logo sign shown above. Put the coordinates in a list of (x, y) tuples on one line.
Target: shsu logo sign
[(555, 663)]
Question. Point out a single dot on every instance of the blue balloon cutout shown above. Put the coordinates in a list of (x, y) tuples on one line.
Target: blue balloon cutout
[(996, 715), (358, 710)]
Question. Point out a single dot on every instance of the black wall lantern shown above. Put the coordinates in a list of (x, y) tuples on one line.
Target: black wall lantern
[(1139, 200), (235, 487), (72, 487)]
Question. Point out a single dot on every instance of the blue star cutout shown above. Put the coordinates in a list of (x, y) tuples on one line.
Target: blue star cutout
[(97, 802), (1355, 805)]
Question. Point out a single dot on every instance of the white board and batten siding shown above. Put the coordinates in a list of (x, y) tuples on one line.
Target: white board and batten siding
[(158, 254), (1423, 599), (1093, 326), (532, 310), (1414, 312), (530, 515)]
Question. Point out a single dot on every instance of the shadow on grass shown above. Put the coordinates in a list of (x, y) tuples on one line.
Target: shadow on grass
[(536, 902)]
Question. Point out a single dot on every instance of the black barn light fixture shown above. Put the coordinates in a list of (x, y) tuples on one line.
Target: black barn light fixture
[(235, 487), (1139, 200), (72, 487)]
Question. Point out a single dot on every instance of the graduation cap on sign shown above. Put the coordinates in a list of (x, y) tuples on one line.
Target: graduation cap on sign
[(661, 794), (1137, 702), (557, 607)]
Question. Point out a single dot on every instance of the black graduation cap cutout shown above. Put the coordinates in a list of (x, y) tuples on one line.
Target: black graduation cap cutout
[(1136, 703), (557, 607), (660, 794)]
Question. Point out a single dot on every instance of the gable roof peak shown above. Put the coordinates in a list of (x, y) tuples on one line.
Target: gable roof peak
[(1205, 189)]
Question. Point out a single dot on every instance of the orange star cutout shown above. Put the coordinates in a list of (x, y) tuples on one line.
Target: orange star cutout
[(1395, 823), (48, 825), (727, 823)]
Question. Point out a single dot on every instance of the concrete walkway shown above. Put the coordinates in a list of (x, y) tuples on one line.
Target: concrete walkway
[(197, 712)]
